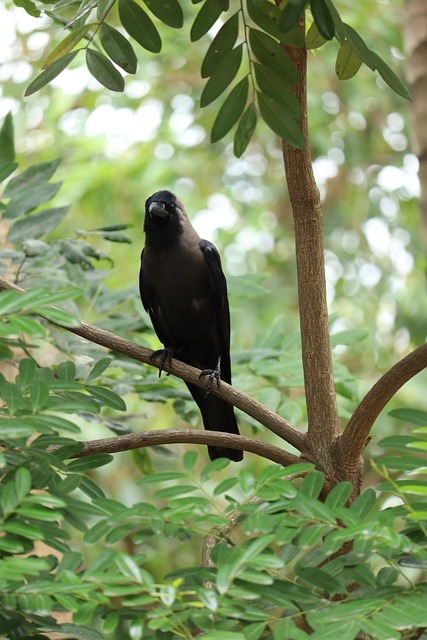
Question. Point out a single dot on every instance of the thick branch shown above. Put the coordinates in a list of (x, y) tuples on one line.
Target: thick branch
[(170, 436), (255, 409), (355, 435), (323, 419)]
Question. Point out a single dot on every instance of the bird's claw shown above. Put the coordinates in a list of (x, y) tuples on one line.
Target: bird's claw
[(214, 374), (165, 356)]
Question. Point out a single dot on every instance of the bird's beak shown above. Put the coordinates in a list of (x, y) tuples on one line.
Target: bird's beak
[(158, 209)]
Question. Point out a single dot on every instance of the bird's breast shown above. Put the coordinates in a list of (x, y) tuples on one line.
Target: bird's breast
[(179, 279)]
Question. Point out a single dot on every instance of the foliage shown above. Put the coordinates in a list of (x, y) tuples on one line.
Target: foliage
[(278, 560), (247, 46), (101, 564), (258, 585)]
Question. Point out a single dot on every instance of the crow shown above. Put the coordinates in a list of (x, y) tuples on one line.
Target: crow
[(184, 290)]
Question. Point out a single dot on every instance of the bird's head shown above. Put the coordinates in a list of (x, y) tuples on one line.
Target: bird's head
[(163, 205), (165, 219)]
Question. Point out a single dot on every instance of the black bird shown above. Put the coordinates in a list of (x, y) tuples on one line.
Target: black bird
[(184, 290)]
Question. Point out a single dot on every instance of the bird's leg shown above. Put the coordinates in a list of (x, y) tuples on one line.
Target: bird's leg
[(165, 355), (214, 374)]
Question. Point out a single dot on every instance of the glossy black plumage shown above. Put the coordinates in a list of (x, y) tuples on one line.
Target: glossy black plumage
[(184, 290)]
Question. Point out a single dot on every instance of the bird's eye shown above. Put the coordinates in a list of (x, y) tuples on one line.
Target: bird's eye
[(171, 206)]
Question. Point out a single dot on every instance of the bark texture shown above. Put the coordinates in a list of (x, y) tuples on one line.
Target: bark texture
[(322, 412)]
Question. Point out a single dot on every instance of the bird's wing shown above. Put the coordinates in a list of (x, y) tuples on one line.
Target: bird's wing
[(148, 298), (218, 293)]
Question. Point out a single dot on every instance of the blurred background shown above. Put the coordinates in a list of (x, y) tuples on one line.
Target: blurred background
[(117, 149)]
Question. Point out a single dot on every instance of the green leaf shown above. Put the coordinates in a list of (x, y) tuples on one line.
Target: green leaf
[(364, 503), (222, 635), (349, 337), (136, 629), (52, 297), (254, 631), (168, 11), (12, 396), (104, 71), (58, 316), (92, 462), (27, 372), (15, 301), (138, 25), (39, 392), (314, 40), (50, 73), (286, 628), (118, 48), (271, 54), (67, 44), (103, 9), (322, 579), (67, 371), (22, 482), (36, 225), (222, 77), (27, 325), (359, 46), (35, 174), (7, 147), (403, 463), (413, 416), (189, 460), (245, 130), (291, 13), (98, 369), (110, 622), (279, 121), (23, 529), (30, 197), (223, 42), (172, 492), (312, 484), (270, 83), (79, 632), (43, 422), (10, 429), (128, 567), (29, 7), (338, 23), (265, 15), (390, 78), (205, 19), (323, 19), (213, 467), (7, 169), (348, 62), (231, 110), (107, 397), (339, 495), (224, 486)]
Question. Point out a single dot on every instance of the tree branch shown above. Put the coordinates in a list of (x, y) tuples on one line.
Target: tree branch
[(322, 412), (355, 436), (251, 407), (170, 436)]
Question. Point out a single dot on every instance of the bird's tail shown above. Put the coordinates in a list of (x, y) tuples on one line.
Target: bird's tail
[(217, 415)]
